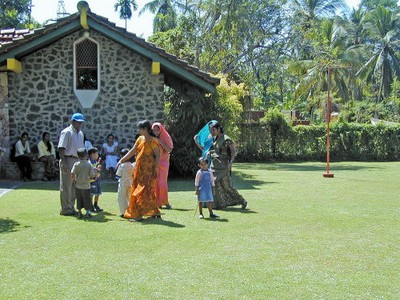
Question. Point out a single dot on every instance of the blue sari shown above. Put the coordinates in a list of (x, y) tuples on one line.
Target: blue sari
[(204, 137)]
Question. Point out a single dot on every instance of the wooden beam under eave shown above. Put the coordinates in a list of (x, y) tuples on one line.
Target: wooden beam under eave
[(14, 65)]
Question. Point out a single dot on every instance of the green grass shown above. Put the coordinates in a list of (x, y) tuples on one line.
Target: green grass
[(303, 237)]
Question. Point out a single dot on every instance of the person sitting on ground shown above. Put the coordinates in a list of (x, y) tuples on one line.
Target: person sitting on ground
[(23, 156), (110, 152), (47, 155)]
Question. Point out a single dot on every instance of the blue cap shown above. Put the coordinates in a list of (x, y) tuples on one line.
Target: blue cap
[(78, 117)]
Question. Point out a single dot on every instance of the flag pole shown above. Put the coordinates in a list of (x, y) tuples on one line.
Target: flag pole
[(328, 132)]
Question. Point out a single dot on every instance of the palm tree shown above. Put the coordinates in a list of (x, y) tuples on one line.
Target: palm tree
[(314, 9), (125, 9), (381, 27), (165, 11), (330, 53)]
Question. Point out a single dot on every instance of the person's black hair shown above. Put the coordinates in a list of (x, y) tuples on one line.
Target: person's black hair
[(124, 151), (146, 125), (217, 126), (81, 152), (202, 159), (110, 135), (24, 133), (48, 144), (92, 150)]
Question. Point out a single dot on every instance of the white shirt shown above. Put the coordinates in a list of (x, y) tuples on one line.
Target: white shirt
[(71, 140), (125, 172), (21, 149)]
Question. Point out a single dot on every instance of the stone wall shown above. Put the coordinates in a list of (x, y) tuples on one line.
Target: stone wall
[(41, 98)]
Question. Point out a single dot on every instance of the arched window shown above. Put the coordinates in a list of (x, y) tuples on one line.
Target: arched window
[(86, 65), (86, 70)]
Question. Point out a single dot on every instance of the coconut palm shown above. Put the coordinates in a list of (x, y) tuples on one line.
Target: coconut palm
[(331, 52), (166, 13), (125, 9), (313, 9), (381, 27)]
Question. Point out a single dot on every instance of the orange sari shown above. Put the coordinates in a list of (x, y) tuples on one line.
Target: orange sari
[(163, 169), (143, 198)]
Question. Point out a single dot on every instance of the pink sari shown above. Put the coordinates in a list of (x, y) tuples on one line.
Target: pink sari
[(162, 179)]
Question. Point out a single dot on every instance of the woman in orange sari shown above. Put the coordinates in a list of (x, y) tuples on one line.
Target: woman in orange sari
[(166, 145), (143, 197)]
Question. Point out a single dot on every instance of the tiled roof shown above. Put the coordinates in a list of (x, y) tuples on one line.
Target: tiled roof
[(12, 39), (10, 35)]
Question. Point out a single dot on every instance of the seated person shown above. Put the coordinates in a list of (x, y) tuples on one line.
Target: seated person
[(47, 155), (110, 153), (23, 156)]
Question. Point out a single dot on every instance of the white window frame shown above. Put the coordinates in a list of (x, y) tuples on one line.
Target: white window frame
[(87, 97)]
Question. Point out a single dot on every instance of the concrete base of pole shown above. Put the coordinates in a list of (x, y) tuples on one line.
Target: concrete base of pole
[(328, 175)]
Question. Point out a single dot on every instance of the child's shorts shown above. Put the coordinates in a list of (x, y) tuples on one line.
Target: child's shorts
[(95, 188)]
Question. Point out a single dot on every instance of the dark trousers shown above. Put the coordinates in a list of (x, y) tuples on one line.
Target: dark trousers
[(24, 165), (83, 199)]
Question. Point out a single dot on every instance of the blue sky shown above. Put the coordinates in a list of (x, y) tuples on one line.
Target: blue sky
[(44, 10)]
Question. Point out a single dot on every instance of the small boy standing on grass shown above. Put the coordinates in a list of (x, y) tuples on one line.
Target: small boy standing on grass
[(82, 171), (204, 184), (125, 174), (95, 185)]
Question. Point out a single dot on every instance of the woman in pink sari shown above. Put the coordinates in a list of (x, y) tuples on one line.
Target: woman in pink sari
[(166, 146)]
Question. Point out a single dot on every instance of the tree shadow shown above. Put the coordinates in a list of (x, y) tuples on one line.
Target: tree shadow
[(8, 225), (303, 166), (245, 181)]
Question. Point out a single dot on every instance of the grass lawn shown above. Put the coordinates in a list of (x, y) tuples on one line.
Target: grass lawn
[(302, 237)]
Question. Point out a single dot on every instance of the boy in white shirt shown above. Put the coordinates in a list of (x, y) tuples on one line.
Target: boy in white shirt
[(125, 174)]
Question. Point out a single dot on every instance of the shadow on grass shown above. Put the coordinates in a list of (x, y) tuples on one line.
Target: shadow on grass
[(240, 180), (239, 210), (216, 220), (100, 217), (107, 186), (304, 166), (7, 225), (152, 221)]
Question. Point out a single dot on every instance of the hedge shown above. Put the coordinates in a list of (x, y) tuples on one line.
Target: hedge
[(349, 141)]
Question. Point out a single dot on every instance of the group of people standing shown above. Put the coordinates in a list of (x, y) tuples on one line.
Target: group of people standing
[(143, 187), (147, 177)]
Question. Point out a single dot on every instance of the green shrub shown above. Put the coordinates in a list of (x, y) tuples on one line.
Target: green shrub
[(349, 141)]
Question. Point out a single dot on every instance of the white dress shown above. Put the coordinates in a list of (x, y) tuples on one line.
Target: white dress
[(111, 160), (125, 172)]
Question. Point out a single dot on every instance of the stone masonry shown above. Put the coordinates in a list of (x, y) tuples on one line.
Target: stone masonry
[(41, 98)]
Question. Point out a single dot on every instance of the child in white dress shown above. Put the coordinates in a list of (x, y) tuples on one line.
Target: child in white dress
[(204, 184), (125, 174)]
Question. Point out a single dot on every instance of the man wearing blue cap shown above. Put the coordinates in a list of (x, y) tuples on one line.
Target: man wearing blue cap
[(71, 139)]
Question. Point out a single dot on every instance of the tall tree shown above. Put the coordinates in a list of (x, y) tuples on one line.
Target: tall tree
[(125, 9), (13, 13), (369, 5), (381, 26), (331, 52), (165, 13)]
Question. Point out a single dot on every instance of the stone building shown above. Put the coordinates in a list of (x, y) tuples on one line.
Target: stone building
[(84, 63)]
